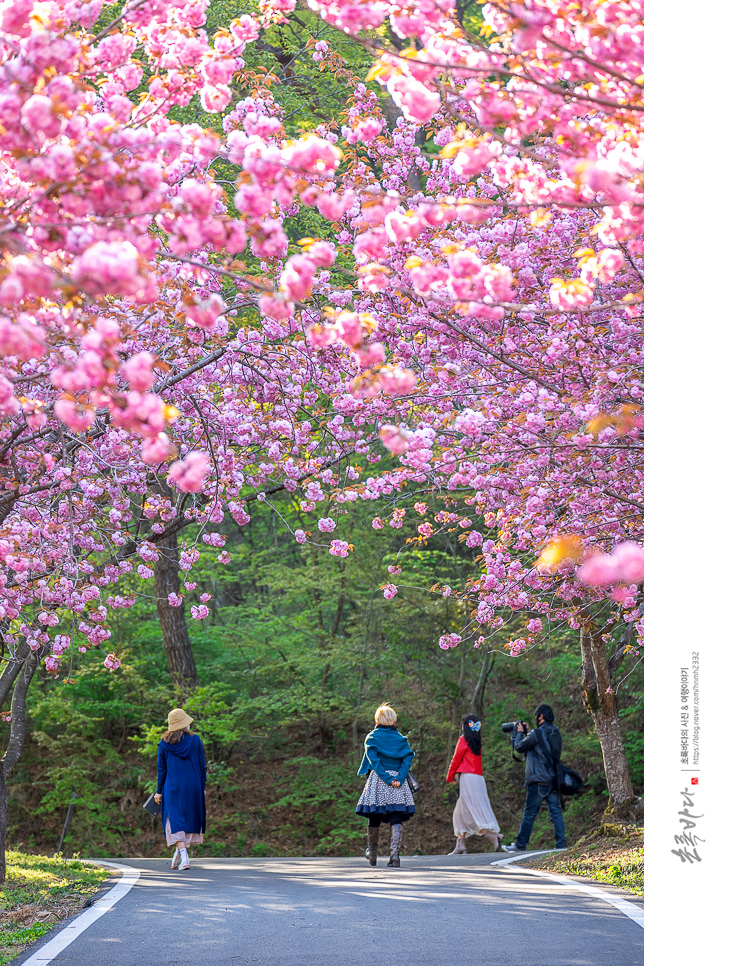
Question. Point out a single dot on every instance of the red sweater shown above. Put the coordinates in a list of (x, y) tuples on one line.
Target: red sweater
[(464, 761)]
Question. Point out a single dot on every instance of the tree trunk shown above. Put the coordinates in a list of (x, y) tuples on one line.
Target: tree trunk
[(24, 669), (175, 637), (600, 702), (3, 822), (477, 699)]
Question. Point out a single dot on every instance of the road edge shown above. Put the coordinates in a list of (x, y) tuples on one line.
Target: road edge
[(64, 937), (636, 913)]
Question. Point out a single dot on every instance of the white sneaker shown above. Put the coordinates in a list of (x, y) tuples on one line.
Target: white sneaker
[(175, 859), (185, 859)]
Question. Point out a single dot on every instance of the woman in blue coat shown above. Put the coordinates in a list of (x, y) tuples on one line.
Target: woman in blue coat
[(387, 796), (181, 775)]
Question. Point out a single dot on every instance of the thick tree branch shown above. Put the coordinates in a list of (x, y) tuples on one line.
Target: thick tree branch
[(17, 715), (12, 669)]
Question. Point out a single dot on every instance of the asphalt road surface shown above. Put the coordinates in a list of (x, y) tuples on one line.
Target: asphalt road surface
[(433, 911)]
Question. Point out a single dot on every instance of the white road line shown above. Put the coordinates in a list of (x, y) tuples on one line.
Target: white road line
[(48, 952), (627, 908)]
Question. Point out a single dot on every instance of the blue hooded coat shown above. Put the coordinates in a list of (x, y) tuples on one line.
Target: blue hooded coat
[(386, 748), (181, 773)]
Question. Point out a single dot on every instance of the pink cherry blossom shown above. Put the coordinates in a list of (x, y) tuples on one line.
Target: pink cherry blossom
[(628, 559), (109, 267), (76, 416), (395, 438), (138, 371), (322, 253), (297, 277), (312, 154), (599, 570), (214, 99), (417, 102), (402, 227), (508, 354), (394, 380), (157, 449), (8, 403), (190, 474), (205, 313)]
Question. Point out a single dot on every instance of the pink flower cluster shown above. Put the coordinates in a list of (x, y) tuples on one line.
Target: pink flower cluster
[(467, 343), (190, 474), (625, 564)]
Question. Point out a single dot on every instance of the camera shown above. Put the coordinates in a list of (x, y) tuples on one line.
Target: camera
[(509, 726)]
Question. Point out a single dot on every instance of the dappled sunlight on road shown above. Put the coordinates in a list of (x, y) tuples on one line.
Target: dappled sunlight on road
[(330, 912), (432, 880)]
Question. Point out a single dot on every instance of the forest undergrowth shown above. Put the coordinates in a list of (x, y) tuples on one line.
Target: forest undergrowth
[(298, 651), (611, 854)]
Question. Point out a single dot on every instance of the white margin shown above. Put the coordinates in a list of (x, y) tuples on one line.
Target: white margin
[(66, 936), (627, 908)]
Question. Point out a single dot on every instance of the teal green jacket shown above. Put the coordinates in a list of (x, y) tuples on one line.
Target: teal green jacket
[(387, 749)]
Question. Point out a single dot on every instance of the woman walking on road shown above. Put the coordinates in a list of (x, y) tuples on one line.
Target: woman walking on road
[(181, 772), (473, 814), (387, 796)]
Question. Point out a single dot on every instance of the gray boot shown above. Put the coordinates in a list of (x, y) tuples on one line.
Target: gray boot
[(371, 852), (396, 837)]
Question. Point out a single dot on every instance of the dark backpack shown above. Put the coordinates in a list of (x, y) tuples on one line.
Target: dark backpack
[(569, 782)]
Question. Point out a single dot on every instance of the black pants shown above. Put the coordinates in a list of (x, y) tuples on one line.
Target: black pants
[(395, 818)]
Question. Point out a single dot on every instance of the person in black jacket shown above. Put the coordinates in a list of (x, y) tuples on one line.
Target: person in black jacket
[(543, 746)]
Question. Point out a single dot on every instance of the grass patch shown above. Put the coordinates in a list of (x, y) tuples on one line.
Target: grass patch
[(39, 892), (613, 854)]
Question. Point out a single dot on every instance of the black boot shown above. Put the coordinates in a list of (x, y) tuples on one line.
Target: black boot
[(396, 837), (371, 852)]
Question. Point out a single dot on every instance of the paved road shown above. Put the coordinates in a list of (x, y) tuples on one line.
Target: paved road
[(434, 911)]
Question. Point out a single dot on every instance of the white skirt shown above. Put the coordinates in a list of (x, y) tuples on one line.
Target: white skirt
[(473, 813)]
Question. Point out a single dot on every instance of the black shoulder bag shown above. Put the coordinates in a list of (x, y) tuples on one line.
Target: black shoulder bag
[(568, 781), (412, 784)]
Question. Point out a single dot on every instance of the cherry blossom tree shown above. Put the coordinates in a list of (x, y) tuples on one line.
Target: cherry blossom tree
[(461, 340), (509, 286)]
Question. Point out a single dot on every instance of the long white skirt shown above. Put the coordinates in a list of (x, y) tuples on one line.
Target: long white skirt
[(473, 813)]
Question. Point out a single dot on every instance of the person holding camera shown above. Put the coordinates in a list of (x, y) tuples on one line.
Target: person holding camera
[(542, 746)]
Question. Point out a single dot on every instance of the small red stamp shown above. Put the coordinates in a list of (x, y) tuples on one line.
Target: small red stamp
[(694, 781)]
